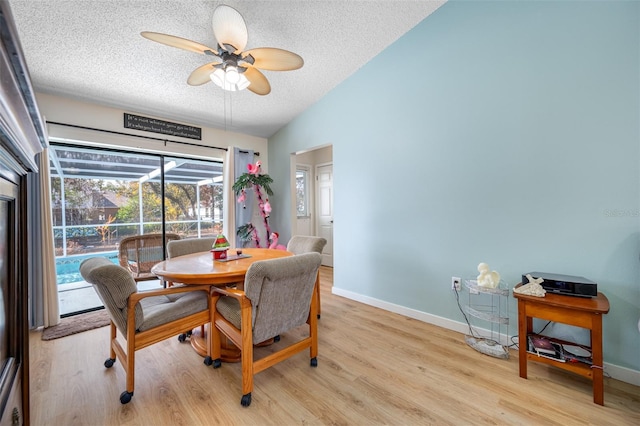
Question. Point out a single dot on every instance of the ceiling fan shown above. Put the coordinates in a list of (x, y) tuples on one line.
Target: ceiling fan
[(233, 68)]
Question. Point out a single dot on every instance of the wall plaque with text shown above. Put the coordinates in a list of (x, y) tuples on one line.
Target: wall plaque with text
[(148, 124)]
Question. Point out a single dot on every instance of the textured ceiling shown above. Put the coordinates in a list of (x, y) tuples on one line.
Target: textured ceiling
[(92, 50)]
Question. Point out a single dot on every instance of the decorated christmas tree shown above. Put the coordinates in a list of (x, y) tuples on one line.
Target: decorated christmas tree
[(220, 247), (260, 183)]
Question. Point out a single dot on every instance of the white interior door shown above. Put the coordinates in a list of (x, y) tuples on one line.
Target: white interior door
[(324, 206)]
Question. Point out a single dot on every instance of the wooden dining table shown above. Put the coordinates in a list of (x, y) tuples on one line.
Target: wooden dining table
[(201, 268)]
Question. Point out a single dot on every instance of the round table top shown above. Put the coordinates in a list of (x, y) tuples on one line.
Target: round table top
[(201, 268)]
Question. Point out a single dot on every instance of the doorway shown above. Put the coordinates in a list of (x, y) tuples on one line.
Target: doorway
[(324, 210), (312, 172)]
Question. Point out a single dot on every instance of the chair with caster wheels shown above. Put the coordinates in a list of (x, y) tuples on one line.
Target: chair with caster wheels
[(299, 244), (177, 248), (279, 295), (142, 317)]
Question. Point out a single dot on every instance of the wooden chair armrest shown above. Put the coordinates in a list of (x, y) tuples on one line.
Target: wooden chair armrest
[(232, 292)]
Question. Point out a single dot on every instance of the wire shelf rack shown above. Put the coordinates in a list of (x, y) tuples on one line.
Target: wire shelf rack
[(488, 313)]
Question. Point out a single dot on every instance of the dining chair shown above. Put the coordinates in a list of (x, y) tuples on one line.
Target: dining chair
[(138, 254), (177, 248), (278, 296), (142, 317), (299, 244), (188, 246)]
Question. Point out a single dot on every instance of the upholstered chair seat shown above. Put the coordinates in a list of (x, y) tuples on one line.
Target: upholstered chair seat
[(142, 317), (299, 244), (188, 246), (182, 248), (278, 296)]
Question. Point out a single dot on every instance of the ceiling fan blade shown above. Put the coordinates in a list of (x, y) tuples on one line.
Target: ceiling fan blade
[(259, 83), (273, 59), (200, 75), (229, 28), (179, 42)]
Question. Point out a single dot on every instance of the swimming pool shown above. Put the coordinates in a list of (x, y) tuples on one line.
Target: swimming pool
[(68, 268)]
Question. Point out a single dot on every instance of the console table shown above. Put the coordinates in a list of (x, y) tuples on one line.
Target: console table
[(577, 311)]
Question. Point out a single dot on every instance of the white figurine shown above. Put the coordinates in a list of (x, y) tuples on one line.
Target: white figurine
[(489, 279), (532, 288)]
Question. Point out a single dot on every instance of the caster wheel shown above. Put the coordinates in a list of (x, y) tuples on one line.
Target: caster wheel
[(318, 316), (125, 397), (182, 337), (208, 361), (217, 363), (246, 400), (189, 333), (314, 362), (109, 362), (277, 338)]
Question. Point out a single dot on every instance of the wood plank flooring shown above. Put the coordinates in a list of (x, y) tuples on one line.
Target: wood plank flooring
[(374, 367)]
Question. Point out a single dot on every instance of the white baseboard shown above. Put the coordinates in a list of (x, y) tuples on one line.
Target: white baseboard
[(623, 374)]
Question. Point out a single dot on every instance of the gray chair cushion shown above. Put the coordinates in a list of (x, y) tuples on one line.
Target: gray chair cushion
[(280, 292), (299, 244), (160, 310), (188, 246), (114, 285), (230, 309)]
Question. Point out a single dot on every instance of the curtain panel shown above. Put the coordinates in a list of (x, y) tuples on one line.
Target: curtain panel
[(43, 288)]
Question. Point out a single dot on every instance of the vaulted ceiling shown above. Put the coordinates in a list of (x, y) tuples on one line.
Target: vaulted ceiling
[(92, 50)]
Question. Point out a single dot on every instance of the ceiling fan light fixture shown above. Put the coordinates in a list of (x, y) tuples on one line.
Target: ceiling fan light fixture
[(243, 83), (229, 79), (232, 75), (218, 77)]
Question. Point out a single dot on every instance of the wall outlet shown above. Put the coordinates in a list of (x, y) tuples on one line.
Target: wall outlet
[(455, 283)]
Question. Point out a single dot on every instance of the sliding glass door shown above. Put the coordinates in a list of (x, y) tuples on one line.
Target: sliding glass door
[(101, 196), (193, 198)]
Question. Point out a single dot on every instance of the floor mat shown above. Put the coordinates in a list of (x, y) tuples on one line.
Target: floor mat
[(77, 324)]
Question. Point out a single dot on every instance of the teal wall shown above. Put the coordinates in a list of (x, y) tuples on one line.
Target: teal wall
[(498, 132)]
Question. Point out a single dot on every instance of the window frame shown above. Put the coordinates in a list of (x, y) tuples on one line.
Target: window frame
[(306, 172)]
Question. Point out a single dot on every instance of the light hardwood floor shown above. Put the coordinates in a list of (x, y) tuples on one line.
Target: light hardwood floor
[(374, 367)]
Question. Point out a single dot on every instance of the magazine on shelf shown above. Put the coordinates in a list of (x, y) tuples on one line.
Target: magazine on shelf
[(547, 348), (542, 345)]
